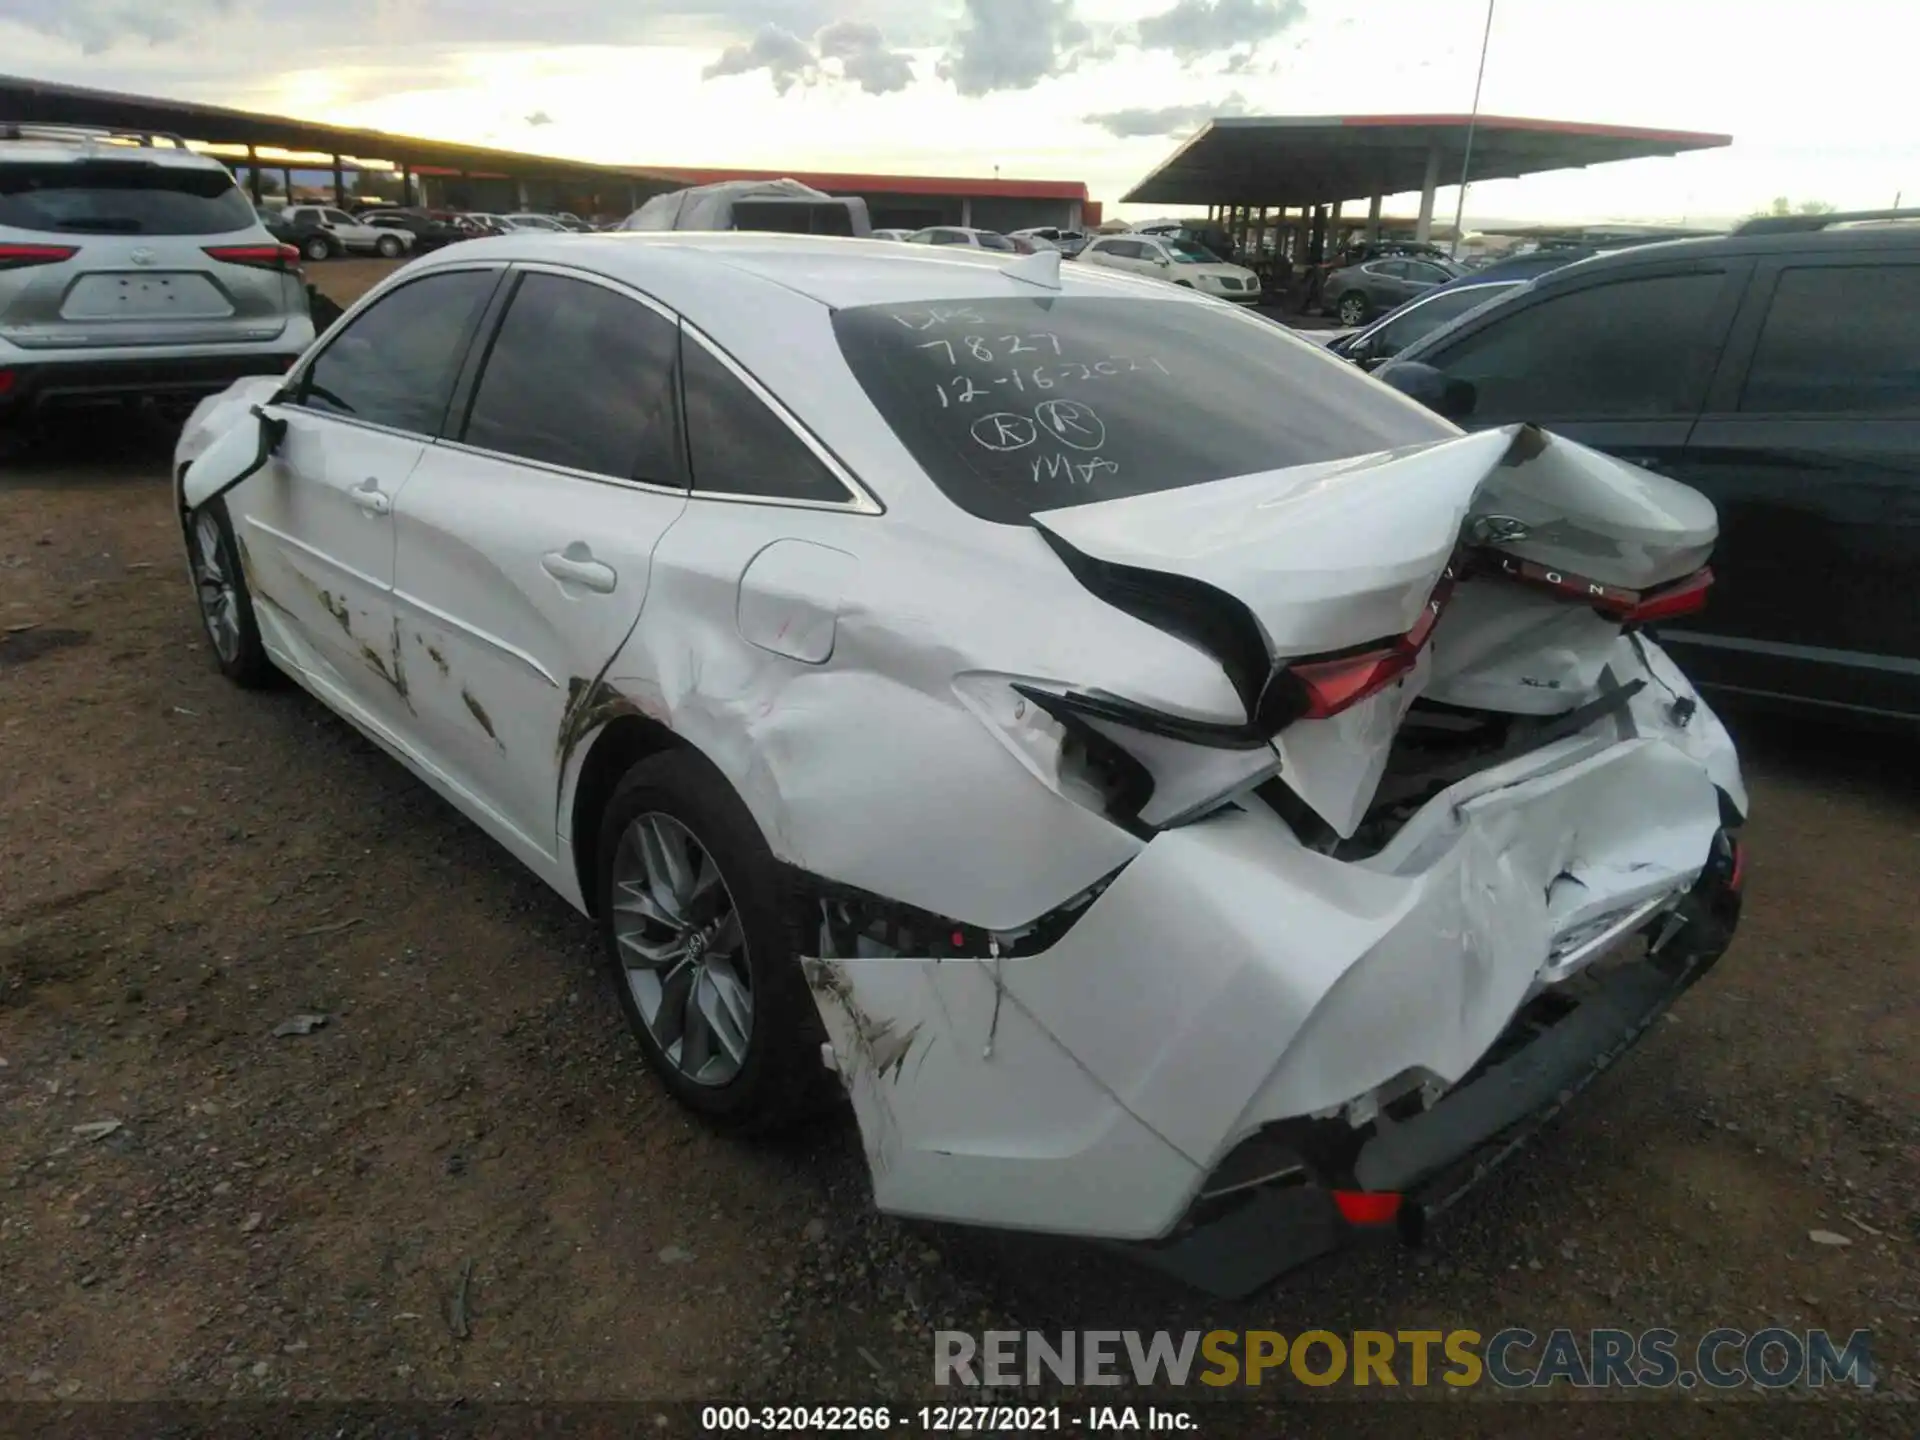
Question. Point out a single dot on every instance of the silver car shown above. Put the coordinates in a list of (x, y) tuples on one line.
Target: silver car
[(132, 266)]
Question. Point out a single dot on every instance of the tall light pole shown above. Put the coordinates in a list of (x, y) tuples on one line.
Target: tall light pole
[(1466, 160)]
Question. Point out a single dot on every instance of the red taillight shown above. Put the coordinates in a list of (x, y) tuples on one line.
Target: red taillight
[(1367, 1207), (7, 378), (18, 257), (263, 257), (1739, 873), (1335, 685), (1683, 597)]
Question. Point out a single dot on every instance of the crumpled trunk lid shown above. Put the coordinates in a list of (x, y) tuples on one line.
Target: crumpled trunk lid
[(1292, 568), (1345, 552)]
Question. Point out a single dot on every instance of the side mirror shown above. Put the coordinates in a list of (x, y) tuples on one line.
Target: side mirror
[(1439, 392), (236, 455)]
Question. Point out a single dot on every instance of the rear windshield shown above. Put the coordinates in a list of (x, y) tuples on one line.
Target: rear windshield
[(1016, 405), (121, 197)]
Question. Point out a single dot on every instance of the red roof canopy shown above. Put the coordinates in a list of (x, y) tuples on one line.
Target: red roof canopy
[(887, 184)]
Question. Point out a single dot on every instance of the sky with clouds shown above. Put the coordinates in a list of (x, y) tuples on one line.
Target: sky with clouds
[(1094, 90)]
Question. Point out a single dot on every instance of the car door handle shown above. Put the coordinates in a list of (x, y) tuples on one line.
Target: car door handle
[(575, 565), (370, 497)]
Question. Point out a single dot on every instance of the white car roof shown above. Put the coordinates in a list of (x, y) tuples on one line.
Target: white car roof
[(714, 273), (768, 300)]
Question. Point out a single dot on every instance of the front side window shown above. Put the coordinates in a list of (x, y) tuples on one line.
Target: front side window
[(339, 217), (990, 241), (121, 197), (396, 363), (1014, 405), (1839, 340), (1634, 348), (738, 445), (583, 377), (948, 237)]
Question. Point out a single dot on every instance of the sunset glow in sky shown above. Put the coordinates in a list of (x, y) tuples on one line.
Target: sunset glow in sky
[(1094, 90)]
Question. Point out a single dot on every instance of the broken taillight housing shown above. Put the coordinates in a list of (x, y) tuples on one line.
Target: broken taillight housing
[(1326, 687), (19, 257), (261, 257)]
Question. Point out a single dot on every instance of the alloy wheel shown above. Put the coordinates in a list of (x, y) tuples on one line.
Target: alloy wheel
[(219, 604), (1353, 311), (682, 949)]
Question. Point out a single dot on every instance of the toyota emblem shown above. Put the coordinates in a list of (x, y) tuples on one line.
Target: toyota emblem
[(142, 256), (1500, 530)]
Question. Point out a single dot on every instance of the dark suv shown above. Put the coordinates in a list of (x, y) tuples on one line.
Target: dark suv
[(1777, 370)]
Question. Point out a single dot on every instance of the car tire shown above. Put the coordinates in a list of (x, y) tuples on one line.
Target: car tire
[(226, 604), (749, 1067), (388, 246), (317, 247), (1353, 308)]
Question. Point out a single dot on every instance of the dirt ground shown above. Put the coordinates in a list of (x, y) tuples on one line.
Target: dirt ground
[(465, 1185)]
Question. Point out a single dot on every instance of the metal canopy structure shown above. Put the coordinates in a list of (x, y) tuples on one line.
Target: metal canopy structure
[(51, 103), (1322, 160), (1241, 167)]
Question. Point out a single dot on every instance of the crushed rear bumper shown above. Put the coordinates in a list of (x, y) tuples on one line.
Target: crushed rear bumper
[(1233, 1244)]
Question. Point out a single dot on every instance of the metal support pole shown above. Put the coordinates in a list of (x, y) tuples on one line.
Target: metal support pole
[(339, 184), (1466, 160), (253, 173), (1373, 220), (1423, 228)]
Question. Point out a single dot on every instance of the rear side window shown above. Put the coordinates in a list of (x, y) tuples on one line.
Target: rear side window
[(582, 377), (740, 447), (122, 197), (395, 364), (1839, 340), (1016, 405), (1636, 348), (994, 242)]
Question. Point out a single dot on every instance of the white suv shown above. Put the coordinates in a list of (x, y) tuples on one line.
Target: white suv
[(132, 266)]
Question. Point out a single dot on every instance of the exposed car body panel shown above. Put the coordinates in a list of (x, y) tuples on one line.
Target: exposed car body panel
[(1402, 968)]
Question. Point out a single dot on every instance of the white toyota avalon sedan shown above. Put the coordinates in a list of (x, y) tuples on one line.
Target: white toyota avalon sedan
[(1183, 791)]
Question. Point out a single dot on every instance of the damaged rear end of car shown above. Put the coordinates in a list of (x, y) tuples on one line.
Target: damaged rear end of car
[(1460, 833)]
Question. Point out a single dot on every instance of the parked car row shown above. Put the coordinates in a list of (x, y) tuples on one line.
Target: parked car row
[(325, 232), (1171, 258)]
